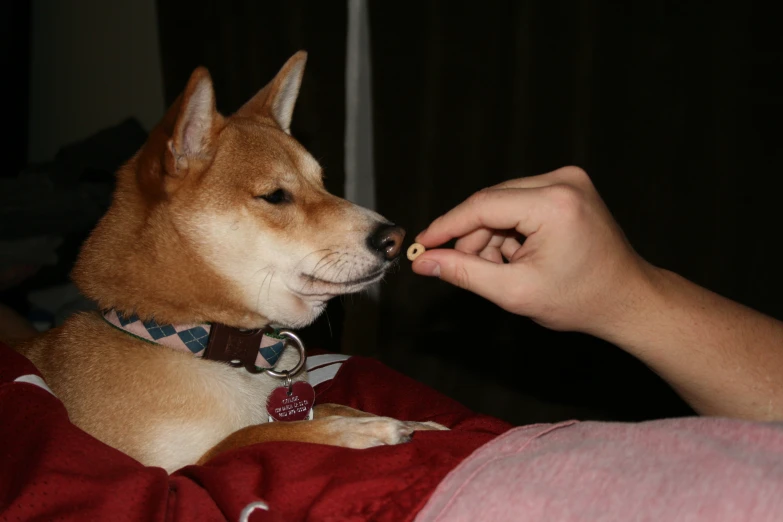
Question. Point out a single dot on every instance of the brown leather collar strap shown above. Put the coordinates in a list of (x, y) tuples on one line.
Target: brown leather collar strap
[(234, 346)]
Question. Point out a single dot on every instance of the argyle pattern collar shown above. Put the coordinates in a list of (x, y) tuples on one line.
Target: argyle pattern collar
[(190, 338)]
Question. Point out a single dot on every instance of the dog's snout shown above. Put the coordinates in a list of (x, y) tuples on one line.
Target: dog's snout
[(387, 241)]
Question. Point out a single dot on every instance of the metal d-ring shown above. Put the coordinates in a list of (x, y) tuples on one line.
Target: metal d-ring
[(287, 374)]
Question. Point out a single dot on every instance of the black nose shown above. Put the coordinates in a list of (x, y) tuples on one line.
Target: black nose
[(387, 241)]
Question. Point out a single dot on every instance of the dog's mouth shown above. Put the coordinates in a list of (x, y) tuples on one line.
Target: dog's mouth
[(365, 280), (315, 286)]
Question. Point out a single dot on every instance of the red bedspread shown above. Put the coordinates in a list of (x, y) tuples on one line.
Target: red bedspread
[(49, 469)]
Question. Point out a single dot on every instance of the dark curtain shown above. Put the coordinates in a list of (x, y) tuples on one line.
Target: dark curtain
[(15, 64), (673, 108)]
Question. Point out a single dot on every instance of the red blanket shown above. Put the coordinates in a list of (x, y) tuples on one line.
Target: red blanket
[(50, 469)]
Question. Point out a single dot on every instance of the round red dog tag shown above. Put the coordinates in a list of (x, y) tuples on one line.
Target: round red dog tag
[(284, 405)]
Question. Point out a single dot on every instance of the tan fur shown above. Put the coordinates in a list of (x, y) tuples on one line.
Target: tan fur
[(186, 240)]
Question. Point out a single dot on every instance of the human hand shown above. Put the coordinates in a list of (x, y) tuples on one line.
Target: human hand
[(572, 270)]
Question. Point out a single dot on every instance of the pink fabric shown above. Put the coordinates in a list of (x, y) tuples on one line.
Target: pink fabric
[(694, 469)]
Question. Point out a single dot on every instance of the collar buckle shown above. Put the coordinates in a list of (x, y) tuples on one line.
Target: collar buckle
[(238, 348)]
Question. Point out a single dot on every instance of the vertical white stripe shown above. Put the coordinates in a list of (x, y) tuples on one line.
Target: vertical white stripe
[(359, 172), (359, 168)]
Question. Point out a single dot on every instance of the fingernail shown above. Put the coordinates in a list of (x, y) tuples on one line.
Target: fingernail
[(428, 268)]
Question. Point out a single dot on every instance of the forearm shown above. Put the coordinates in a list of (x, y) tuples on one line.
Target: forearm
[(723, 358)]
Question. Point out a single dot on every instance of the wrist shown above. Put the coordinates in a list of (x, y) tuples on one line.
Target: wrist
[(634, 301)]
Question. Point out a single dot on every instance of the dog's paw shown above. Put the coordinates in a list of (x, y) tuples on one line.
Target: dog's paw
[(368, 432)]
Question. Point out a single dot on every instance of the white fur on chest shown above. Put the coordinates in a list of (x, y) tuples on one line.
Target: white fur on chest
[(230, 399)]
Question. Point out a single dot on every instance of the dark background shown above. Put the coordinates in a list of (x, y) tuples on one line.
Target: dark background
[(673, 108)]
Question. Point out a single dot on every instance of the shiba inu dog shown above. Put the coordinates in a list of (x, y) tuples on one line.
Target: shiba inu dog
[(215, 221)]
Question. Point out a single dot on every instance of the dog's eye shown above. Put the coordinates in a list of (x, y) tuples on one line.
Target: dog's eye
[(278, 196)]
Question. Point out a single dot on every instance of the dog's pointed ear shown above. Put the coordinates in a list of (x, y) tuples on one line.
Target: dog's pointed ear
[(193, 136), (278, 98)]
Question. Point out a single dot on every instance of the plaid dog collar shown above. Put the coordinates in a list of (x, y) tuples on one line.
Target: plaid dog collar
[(192, 338)]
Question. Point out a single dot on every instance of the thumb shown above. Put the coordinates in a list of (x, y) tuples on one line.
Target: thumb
[(490, 280)]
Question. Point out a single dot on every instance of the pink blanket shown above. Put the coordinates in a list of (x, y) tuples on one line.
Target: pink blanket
[(695, 469)]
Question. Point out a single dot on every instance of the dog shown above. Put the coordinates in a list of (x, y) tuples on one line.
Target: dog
[(223, 221)]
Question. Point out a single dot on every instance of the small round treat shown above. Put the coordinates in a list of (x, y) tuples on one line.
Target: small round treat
[(415, 250)]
